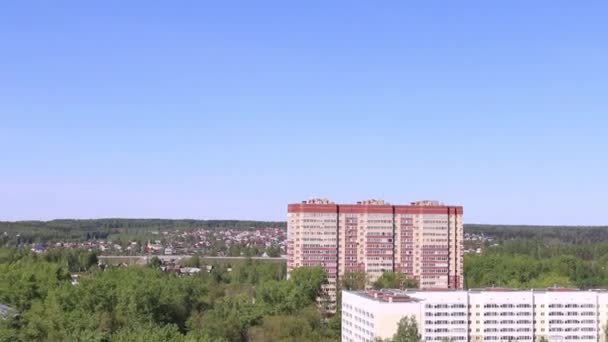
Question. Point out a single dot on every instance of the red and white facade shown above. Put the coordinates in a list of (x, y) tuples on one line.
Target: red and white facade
[(423, 240)]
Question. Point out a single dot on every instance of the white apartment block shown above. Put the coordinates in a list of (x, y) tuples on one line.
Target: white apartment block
[(557, 315)]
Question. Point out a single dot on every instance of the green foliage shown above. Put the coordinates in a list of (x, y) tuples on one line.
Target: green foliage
[(567, 235), (307, 325), (148, 333), (407, 331), (145, 304), (28, 279), (155, 262), (309, 279), (74, 260), (278, 297), (278, 328), (531, 257), (499, 268), (549, 280), (231, 317), (194, 261), (273, 251), (354, 281), (394, 280), (253, 272)]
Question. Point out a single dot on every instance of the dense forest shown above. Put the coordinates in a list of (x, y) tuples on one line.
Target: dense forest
[(549, 234), (537, 256), (252, 302)]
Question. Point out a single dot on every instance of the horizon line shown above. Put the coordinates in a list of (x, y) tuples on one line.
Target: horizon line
[(284, 221)]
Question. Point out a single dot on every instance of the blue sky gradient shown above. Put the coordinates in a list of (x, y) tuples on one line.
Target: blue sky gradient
[(231, 109)]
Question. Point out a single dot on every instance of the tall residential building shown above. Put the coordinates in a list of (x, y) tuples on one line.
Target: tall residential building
[(424, 240), (554, 315)]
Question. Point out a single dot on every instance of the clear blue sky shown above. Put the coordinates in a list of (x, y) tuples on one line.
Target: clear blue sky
[(224, 109)]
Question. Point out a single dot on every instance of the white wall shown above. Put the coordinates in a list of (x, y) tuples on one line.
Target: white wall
[(494, 315)]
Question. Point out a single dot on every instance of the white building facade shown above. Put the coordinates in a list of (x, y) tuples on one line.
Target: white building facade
[(557, 315)]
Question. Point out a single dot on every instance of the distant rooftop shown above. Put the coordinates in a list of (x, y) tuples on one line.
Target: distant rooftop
[(373, 201), (376, 201), (5, 311), (318, 201), (427, 203)]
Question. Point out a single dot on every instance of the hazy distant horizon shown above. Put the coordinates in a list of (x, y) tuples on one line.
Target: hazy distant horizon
[(284, 221), (209, 109)]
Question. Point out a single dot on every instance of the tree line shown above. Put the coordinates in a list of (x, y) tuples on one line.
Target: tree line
[(528, 264), (555, 234)]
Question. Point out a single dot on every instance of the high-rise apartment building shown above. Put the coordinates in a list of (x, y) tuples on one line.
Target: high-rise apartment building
[(424, 240)]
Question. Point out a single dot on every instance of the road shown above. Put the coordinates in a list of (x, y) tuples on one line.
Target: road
[(143, 259)]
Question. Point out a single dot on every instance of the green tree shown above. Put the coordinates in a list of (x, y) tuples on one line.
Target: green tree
[(394, 280), (281, 297), (354, 281), (148, 333), (309, 280), (407, 330), (306, 325), (231, 317), (281, 328), (155, 262), (85, 336), (194, 261), (273, 251), (549, 280)]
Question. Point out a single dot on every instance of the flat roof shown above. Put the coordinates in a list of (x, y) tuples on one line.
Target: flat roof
[(386, 295), (406, 295)]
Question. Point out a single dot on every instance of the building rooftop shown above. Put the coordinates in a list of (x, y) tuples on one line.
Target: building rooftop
[(5, 311), (387, 295), (408, 295), (372, 201), (427, 203), (318, 201)]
